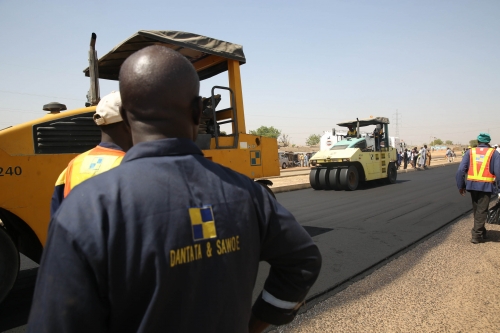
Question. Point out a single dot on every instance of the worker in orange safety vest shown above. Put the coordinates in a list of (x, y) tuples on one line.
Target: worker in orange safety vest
[(480, 164), (115, 141)]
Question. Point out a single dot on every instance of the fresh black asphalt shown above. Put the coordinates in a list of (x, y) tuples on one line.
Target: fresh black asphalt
[(357, 230), (353, 230)]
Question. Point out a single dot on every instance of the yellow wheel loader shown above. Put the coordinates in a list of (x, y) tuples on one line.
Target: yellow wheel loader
[(33, 154)]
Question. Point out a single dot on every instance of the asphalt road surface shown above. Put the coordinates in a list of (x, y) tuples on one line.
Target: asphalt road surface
[(355, 231)]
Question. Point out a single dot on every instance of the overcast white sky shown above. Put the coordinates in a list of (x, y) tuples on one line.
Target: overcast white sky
[(310, 64)]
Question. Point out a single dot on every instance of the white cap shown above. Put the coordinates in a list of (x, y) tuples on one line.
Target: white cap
[(108, 109)]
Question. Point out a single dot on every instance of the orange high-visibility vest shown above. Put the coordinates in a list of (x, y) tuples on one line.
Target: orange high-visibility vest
[(479, 169), (87, 165)]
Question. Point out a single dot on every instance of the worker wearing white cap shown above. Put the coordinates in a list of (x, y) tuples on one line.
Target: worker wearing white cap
[(115, 141)]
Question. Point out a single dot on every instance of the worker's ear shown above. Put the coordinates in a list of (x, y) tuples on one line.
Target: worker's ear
[(196, 109), (123, 113)]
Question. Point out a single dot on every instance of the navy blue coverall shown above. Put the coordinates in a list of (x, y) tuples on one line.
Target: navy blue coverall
[(480, 191), (170, 242)]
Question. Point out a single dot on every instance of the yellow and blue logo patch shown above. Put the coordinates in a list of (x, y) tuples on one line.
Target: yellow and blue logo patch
[(202, 223), (96, 163), (254, 157)]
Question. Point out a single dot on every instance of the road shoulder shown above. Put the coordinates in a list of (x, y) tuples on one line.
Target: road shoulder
[(444, 284)]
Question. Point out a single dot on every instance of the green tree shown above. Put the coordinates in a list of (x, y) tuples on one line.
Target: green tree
[(270, 132), (473, 143), (448, 142), (436, 142), (312, 140)]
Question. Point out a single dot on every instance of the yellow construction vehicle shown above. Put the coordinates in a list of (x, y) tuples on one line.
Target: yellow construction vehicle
[(33, 154), (355, 158)]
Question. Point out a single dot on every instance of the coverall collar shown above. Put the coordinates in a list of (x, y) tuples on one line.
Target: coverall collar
[(110, 145), (163, 147)]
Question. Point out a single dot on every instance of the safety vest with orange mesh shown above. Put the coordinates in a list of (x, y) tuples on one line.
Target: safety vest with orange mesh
[(479, 168), (87, 165)]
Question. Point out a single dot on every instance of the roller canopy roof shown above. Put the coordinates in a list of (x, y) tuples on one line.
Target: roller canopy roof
[(193, 47), (365, 122)]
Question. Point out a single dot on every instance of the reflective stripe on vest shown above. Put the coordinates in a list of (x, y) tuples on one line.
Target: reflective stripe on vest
[(90, 164), (479, 169)]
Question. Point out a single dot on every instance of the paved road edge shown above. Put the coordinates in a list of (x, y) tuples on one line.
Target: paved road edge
[(295, 187)]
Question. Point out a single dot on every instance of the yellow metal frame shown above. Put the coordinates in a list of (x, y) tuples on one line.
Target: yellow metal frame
[(28, 195)]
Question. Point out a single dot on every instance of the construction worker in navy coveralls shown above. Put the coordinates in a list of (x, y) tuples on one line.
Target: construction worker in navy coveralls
[(480, 165), (115, 141), (169, 241)]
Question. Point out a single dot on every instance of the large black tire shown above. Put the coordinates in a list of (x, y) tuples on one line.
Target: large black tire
[(9, 263), (314, 179), (392, 174), (323, 179), (349, 178), (334, 179), (283, 166)]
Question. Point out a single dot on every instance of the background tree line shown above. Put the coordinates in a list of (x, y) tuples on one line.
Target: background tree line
[(283, 139)]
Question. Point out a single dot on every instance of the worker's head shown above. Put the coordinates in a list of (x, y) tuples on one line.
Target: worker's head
[(160, 95), (483, 137), (107, 117), (425, 146)]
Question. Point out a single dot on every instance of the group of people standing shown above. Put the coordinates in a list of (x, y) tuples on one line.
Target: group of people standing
[(416, 158), (303, 159), (450, 155)]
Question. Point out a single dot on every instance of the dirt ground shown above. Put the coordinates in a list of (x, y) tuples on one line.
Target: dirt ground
[(445, 284)]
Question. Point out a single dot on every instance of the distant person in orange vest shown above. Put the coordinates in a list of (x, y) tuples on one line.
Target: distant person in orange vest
[(480, 164), (115, 141)]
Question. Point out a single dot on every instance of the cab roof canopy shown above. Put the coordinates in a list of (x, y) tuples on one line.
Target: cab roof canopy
[(207, 54), (365, 122)]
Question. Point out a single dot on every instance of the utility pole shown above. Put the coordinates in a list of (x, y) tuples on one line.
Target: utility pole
[(397, 124)]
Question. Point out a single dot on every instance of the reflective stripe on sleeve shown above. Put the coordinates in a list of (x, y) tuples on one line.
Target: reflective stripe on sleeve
[(277, 302)]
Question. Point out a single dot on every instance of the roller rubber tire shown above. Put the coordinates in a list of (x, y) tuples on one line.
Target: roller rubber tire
[(349, 178), (333, 179), (392, 174), (323, 179), (283, 166), (9, 263), (314, 179)]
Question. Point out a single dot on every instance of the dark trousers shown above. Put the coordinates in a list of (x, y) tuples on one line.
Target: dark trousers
[(405, 163), (480, 203)]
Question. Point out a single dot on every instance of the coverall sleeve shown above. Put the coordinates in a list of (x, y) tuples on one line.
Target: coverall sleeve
[(495, 167), (58, 195), (463, 168), (295, 265), (66, 297)]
